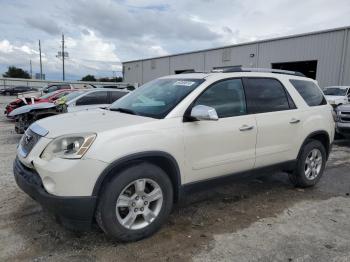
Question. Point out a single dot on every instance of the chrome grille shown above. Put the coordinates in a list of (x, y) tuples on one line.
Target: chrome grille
[(344, 116), (28, 141)]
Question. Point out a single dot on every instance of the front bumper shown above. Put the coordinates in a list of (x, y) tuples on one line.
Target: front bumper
[(73, 212)]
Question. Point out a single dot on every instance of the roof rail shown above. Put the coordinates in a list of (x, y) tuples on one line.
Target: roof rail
[(191, 72), (265, 70)]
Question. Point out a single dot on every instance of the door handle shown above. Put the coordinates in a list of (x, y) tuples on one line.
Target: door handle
[(246, 128), (294, 121)]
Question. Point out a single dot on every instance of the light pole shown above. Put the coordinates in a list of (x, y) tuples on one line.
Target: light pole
[(41, 66), (30, 68), (62, 54), (63, 76)]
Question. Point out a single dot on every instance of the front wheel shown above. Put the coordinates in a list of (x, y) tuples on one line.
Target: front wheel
[(135, 203), (311, 164)]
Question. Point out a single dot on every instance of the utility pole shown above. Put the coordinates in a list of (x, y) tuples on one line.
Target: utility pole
[(63, 77), (41, 65), (62, 54), (114, 75), (30, 67)]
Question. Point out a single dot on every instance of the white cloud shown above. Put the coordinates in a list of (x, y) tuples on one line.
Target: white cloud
[(101, 33), (87, 54), (5, 46)]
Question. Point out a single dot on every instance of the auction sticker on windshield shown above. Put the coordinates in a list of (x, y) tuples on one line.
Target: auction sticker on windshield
[(184, 83)]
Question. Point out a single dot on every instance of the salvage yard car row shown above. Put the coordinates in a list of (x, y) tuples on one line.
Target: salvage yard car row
[(27, 110)]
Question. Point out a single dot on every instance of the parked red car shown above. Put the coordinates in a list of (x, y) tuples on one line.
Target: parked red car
[(50, 97)]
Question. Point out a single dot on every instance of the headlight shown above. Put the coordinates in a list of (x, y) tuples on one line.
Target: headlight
[(68, 146)]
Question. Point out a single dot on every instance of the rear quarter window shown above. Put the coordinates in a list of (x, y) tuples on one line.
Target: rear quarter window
[(309, 91)]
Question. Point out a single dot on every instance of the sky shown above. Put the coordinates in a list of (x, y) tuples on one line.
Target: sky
[(100, 34)]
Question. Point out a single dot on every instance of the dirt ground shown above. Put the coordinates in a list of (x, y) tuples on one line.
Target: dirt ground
[(263, 218)]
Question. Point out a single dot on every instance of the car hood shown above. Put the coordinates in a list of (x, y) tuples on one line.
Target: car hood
[(334, 98), (344, 108), (28, 108), (94, 121)]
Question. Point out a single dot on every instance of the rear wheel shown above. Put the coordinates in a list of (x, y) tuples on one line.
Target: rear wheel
[(135, 203), (310, 165)]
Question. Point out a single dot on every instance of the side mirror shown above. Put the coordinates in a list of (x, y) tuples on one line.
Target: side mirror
[(201, 112)]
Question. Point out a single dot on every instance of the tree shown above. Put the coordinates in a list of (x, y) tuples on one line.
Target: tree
[(16, 72), (89, 78)]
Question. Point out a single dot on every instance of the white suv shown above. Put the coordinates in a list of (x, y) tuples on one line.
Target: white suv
[(125, 166)]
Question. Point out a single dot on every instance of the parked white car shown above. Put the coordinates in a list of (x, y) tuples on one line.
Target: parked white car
[(337, 95), (125, 167)]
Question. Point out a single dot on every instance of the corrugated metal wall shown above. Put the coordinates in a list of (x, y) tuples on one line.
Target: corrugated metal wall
[(189, 61), (233, 56), (326, 48), (331, 49), (346, 55)]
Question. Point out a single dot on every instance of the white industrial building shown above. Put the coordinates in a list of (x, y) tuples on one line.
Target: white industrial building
[(322, 55)]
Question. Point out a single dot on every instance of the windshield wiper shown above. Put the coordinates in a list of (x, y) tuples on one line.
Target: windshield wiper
[(124, 110)]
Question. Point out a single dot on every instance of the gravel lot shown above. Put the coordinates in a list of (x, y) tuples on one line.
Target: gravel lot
[(257, 219)]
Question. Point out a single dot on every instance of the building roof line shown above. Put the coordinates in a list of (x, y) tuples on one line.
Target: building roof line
[(245, 43)]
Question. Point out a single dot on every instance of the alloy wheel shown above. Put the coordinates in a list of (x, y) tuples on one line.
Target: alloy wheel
[(313, 164), (139, 204)]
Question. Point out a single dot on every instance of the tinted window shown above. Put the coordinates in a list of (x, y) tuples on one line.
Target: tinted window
[(94, 98), (227, 97), (310, 92), (265, 95), (115, 95), (63, 87), (51, 89), (21, 88)]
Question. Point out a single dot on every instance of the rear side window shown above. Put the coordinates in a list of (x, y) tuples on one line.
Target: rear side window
[(93, 98), (115, 95), (63, 87), (266, 95), (227, 97), (51, 89), (310, 92)]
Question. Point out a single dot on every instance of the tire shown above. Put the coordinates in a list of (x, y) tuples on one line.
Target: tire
[(310, 164), (110, 218)]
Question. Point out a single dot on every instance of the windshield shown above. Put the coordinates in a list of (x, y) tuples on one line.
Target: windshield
[(156, 98), (73, 95), (335, 91), (69, 97)]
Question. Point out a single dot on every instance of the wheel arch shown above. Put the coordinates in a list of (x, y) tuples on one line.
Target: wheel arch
[(321, 136), (159, 158)]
